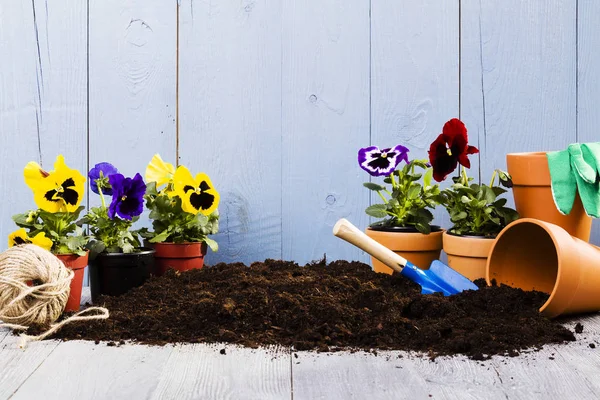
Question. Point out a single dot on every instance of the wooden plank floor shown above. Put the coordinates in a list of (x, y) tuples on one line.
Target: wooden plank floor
[(83, 370)]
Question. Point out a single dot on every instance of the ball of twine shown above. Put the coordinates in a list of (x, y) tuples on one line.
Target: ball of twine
[(42, 303)]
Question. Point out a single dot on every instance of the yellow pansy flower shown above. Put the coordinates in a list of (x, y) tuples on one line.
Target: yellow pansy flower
[(196, 194), (59, 190), (159, 171), (21, 237)]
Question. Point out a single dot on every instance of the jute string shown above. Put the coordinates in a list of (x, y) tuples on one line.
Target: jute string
[(22, 305)]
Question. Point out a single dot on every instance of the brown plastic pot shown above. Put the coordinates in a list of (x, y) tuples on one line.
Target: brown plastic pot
[(179, 256), (468, 255), (532, 192), (77, 264), (416, 247), (535, 255)]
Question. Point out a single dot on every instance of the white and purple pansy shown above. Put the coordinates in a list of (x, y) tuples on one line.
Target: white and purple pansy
[(381, 162)]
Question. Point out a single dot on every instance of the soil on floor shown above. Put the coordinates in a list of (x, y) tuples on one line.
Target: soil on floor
[(325, 307)]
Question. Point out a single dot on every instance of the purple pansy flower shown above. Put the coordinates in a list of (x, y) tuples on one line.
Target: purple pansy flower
[(381, 162), (128, 196), (100, 174)]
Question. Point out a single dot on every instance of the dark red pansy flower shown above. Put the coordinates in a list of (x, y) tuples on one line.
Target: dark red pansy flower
[(450, 149)]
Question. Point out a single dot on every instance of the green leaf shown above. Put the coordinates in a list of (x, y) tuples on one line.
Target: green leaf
[(414, 191), (498, 190), (377, 211), (465, 200), (427, 178), (490, 196), (461, 215), (499, 203), (214, 246), (373, 186), (423, 228)]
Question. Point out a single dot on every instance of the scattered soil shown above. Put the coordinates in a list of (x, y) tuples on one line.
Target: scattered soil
[(324, 307)]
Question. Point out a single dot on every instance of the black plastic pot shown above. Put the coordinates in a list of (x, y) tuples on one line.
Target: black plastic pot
[(113, 274), (405, 229)]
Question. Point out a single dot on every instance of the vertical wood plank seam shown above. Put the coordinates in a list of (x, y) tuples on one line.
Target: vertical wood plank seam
[(177, 85), (39, 80), (460, 66), (292, 374), (576, 70), (281, 173), (33, 372), (482, 83), (370, 89), (87, 115)]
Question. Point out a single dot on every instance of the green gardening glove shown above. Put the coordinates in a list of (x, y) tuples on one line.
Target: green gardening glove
[(564, 184), (584, 163)]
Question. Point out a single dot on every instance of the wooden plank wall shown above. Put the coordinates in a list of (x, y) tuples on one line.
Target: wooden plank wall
[(276, 98)]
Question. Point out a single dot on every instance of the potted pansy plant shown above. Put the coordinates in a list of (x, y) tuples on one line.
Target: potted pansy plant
[(406, 220), (118, 262), (477, 211), (183, 211), (52, 226)]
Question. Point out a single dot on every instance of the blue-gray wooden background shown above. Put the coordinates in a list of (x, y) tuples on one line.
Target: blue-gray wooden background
[(275, 97)]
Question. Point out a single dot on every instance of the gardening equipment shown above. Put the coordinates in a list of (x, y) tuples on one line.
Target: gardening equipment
[(114, 274), (575, 170), (536, 255), (468, 255), (76, 264), (438, 278), (409, 243), (179, 256), (533, 196), (42, 302)]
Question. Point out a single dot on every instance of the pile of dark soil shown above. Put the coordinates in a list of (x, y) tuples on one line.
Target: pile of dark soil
[(341, 305)]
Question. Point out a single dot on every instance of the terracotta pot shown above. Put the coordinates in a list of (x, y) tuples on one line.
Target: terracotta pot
[(113, 274), (418, 248), (77, 264), (532, 192), (468, 255), (535, 255), (179, 256)]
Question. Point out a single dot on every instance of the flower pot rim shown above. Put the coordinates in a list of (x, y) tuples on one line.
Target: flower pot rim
[(145, 251), (471, 236), (402, 229), (180, 244), (527, 154), (87, 253)]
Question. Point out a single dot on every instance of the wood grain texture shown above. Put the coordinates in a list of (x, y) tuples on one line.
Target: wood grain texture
[(202, 372), (126, 372), (132, 84), (325, 119), (230, 119), (547, 374), (17, 365), (588, 81), (42, 95), (518, 76), (414, 78), (389, 375)]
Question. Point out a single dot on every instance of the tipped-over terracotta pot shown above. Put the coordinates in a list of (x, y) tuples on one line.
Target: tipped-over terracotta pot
[(467, 255), (416, 247), (535, 255), (77, 264), (179, 256), (532, 192)]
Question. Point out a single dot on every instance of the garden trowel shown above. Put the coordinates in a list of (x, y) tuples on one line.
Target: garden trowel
[(438, 278)]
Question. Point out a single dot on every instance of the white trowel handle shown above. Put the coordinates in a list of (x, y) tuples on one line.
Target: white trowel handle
[(351, 234)]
